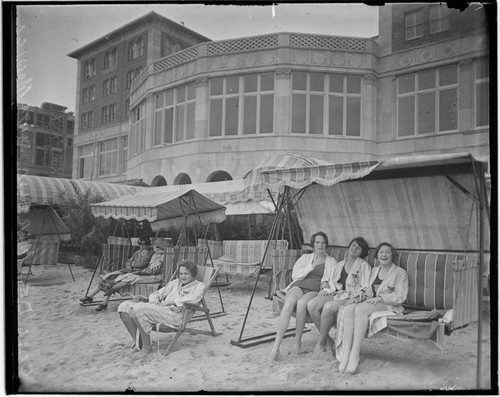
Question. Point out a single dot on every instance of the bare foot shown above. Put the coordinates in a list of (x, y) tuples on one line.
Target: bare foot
[(142, 354), (296, 350), (273, 356), (319, 349)]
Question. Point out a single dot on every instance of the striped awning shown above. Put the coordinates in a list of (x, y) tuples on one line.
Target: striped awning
[(44, 190), (289, 169), (44, 221), (232, 194), (163, 209), (415, 202)]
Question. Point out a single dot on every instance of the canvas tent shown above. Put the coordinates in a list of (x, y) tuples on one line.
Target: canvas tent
[(162, 210), (426, 202), (36, 197)]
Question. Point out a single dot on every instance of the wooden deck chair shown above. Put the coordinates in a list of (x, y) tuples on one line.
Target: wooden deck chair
[(206, 275)]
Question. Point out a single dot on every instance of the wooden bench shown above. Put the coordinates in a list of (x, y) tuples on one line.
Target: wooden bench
[(244, 256), (437, 281)]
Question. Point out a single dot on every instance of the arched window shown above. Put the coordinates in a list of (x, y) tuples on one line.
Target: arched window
[(182, 179), (92, 67), (114, 58), (140, 47), (107, 60), (131, 48), (159, 181), (219, 176)]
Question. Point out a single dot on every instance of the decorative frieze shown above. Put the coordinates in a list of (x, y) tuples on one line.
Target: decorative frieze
[(283, 74)]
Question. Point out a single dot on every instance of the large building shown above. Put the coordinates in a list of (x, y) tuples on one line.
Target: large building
[(45, 140), (106, 69), (213, 110)]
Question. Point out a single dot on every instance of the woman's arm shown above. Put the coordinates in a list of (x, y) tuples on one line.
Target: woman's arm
[(302, 267)]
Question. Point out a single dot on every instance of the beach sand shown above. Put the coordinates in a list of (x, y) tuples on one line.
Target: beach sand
[(66, 348)]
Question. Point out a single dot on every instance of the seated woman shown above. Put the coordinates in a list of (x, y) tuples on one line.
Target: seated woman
[(306, 275), (343, 285), (145, 262), (387, 292), (165, 306)]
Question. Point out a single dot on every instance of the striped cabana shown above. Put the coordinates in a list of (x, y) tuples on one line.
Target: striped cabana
[(163, 209)]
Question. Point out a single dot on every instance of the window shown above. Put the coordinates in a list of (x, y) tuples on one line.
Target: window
[(114, 84), (140, 47), (106, 87), (428, 101), (108, 157), (85, 120), (136, 48), (86, 96), (85, 157), (92, 92), (131, 75), (111, 59), (107, 60), (482, 99), (138, 129), (175, 115), (124, 154), (325, 104), (91, 119), (414, 24), (439, 15), (108, 113), (242, 105), (127, 106)]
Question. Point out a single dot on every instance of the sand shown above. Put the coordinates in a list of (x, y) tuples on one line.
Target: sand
[(64, 347)]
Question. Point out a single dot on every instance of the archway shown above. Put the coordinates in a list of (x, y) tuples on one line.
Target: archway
[(219, 176), (182, 179), (159, 181)]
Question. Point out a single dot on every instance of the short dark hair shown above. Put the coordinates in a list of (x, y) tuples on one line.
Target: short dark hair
[(144, 240), (362, 243), (190, 266), (393, 250), (313, 237)]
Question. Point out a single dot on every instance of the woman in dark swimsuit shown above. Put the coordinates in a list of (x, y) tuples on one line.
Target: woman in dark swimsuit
[(306, 275)]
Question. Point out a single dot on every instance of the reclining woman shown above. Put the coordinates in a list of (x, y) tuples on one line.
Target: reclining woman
[(165, 306), (387, 291), (145, 262), (306, 279), (344, 285)]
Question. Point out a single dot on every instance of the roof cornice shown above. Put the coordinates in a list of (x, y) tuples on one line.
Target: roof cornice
[(147, 18)]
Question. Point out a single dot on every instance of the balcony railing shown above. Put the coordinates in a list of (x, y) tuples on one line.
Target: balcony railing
[(255, 43)]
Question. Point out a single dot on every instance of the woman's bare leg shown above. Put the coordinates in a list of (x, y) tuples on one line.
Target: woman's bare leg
[(292, 296), (326, 322), (361, 315), (315, 306), (300, 319), (129, 324), (145, 338)]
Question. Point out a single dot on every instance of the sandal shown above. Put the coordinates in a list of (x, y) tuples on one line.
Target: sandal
[(101, 307), (86, 299)]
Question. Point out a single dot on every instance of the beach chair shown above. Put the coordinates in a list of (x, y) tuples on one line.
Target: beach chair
[(206, 275)]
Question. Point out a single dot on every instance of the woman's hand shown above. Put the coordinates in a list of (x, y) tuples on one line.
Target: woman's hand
[(155, 302), (167, 303), (374, 301), (323, 293)]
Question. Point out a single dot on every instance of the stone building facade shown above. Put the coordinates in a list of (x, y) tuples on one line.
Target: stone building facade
[(215, 109), (45, 140)]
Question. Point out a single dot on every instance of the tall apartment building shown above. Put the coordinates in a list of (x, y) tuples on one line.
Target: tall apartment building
[(106, 69), (45, 140), (214, 110)]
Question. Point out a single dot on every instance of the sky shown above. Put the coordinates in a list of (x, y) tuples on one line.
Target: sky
[(47, 33)]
